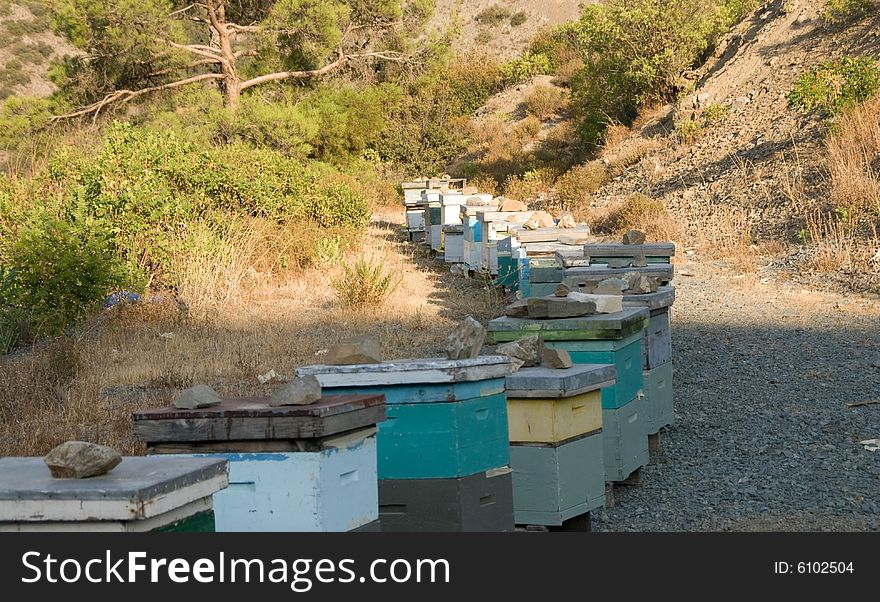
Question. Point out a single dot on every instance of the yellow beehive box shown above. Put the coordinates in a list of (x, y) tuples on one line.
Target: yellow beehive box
[(548, 420)]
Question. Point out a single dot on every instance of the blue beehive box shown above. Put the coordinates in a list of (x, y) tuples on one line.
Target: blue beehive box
[(446, 418)]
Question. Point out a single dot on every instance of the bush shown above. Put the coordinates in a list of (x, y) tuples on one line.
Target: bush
[(688, 131), (519, 18), (56, 271), (365, 283), (530, 186), (836, 85), (579, 182), (842, 10), (640, 212), (545, 101), (493, 15), (716, 113), (526, 67)]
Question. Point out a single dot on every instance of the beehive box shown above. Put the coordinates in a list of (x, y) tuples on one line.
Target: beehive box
[(446, 418), (293, 468), (654, 253), (453, 243), (553, 483), (415, 219), (599, 339), (549, 406), (140, 494), (625, 440), (481, 502), (659, 398)]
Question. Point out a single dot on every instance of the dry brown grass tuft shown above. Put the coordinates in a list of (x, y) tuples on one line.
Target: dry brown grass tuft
[(838, 243), (854, 161), (640, 212), (545, 101), (575, 186), (139, 356)]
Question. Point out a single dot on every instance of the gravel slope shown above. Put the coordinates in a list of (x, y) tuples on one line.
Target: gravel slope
[(763, 438)]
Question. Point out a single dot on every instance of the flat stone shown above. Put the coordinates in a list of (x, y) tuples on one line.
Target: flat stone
[(575, 239), (476, 201), (466, 340), (81, 460), (517, 309), (512, 205), (605, 304), (527, 350), (634, 237), (470, 190), (539, 219), (197, 397), (558, 359), (612, 286), (302, 391), (567, 221), (360, 350), (542, 308), (562, 290)]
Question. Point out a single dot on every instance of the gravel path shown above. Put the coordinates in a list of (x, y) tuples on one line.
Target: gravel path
[(763, 439)]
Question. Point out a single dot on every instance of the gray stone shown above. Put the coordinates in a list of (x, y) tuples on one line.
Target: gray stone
[(360, 350), (466, 340), (302, 391), (612, 286), (575, 238), (562, 290), (80, 460), (542, 308), (605, 304), (194, 398), (634, 237), (558, 359), (518, 309), (539, 219), (527, 350)]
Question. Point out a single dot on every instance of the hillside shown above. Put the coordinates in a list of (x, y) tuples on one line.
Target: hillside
[(763, 167)]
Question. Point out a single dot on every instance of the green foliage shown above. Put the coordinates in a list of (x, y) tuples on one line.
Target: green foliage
[(530, 185), (635, 52), (365, 283), (836, 85), (57, 270), (716, 113), (688, 131), (843, 10), (578, 183), (526, 67), (519, 18), (494, 15)]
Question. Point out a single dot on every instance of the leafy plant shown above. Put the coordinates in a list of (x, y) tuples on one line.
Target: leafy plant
[(834, 86), (365, 283), (842, 10)]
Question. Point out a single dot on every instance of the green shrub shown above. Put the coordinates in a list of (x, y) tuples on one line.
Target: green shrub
[(519, 18), (836, 85), (716, 113), (493, 15), (57, 271), (530, 185), (544, 101), (688, 131), (365, 283), (842, 10), (526, 67), (579, 182)]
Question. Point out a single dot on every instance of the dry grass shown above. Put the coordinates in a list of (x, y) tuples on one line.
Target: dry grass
[(725, 232), (575, 186), (545, 101), (838, 245), (639, 212), (140, 356), (854, 160)]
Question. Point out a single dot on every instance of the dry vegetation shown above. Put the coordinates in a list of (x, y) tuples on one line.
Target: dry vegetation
[(235, 329)]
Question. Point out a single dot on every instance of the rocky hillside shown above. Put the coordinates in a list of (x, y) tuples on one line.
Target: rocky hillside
[(745, 160)]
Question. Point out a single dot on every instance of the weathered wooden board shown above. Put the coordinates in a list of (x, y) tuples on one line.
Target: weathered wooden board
[(482, 502), (541, 382), (443, 440), (195, 517), (553, 483), (662, 249), (599, 326), (625, 440), (429, 393), (328, 491), (137, 489), (598, 272), (263, 446), (551, 420), (626, 357), (253, 418), (405, 372), (662, 299), (415, 220), (657, 344), (659, 399)]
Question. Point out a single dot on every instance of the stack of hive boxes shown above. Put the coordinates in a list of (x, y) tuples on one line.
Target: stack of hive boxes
[(614, 339), (473, 231), (556, 451), (291, 468), (444, 449)]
